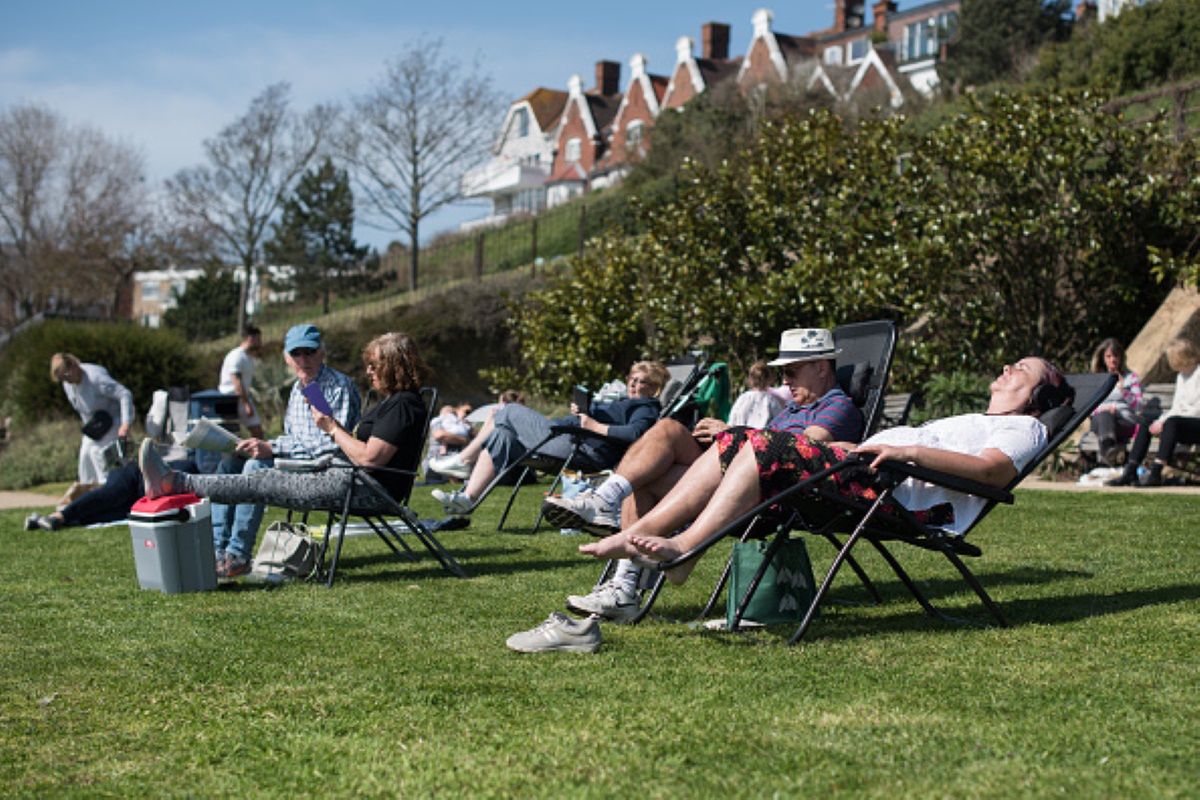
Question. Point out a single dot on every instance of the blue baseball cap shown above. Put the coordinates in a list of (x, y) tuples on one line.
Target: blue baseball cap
[(302, 336)]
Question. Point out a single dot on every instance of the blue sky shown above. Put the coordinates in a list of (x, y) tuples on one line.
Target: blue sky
[(166, 75)]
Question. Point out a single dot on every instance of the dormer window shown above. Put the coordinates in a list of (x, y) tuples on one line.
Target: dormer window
[(573, 150), (519, 126), (633, 134), (833, 55)]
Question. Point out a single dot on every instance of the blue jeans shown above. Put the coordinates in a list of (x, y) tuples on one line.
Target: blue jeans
[(236, 527)]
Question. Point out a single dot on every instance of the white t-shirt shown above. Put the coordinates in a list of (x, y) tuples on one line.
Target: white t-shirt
[(237, 362), (1018, 437), (755, 408)]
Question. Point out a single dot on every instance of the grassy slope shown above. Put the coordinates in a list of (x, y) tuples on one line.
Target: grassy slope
[(397, 681)]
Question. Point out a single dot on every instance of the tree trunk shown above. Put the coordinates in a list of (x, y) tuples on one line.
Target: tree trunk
[(242, 295), (414, 254)]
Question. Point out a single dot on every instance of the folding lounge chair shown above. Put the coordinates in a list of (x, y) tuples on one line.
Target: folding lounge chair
[(816, 508), (687, 375), (404, 517), (863, 368)]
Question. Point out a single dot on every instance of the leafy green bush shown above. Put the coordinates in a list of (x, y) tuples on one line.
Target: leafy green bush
[(952, 393), (142, 359), (38, 453)]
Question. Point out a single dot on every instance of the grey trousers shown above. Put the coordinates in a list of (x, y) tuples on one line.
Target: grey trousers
[(518, 430), (302, 491)]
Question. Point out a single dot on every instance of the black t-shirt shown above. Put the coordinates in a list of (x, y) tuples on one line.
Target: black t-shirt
[(398, 420)]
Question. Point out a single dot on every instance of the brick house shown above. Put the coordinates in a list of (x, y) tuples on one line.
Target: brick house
[(629, 140), (583, 132), (514, 179), (692, 75), (771, 58)]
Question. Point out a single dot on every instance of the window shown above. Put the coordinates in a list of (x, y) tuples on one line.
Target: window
[(573, 150), (858, 50), (633, 134), (151, 291), (923, 39), (833, 55), (521, 121)]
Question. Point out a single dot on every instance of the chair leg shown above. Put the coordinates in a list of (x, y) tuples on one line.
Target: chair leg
[(720, 587), (836, 565), (391, 538), (974, 583), (432, 544), (908, 582), (655, 589), (863, 578), (512, 496)]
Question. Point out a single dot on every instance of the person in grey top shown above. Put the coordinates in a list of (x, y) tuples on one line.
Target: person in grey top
[(94, 394)]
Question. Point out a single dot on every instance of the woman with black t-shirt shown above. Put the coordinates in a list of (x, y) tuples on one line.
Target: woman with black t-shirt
[(389, 435)]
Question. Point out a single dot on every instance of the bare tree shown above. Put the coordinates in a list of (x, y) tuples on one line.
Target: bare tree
[(252, 163), (412, 137), (69, 197)]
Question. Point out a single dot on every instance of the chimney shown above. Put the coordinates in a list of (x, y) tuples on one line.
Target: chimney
[(714, 37), (881, 11), (608, 77), (848, 15)]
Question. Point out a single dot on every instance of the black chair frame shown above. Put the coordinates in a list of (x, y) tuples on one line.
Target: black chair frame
[(815, 508)]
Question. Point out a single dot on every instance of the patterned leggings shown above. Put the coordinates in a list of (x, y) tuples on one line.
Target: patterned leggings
[(784, 459), (303, 491)]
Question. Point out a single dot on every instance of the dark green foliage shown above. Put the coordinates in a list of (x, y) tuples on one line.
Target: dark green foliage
[(315, 235), (1030, 223), (996, 39), (950, 394), (39, 453), (1142, 48), (207, 309), (142, 359)]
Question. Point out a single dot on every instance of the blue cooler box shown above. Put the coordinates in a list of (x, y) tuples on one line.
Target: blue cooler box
[(173, 544)]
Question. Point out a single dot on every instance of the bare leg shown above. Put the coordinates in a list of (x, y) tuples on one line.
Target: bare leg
[(680, 506), (738, 492), (654, 464), (470, 453), (481, 475)]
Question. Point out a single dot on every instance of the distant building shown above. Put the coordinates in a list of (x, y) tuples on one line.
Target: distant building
[(155, 291), (515, 177), (1112, 8), (584, 132)]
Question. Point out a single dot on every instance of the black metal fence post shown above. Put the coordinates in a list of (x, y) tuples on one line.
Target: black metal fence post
[(479, 255), (582, 226), (533, 245)]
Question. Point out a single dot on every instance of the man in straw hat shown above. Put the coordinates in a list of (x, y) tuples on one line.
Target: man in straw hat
[(654, 463)]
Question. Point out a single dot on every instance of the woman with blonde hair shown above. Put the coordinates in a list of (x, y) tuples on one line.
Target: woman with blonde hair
[(1181, 423), (389, 435), (516, 429)]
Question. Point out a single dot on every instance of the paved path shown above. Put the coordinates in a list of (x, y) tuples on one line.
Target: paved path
[(1071, 486), (27, 500)]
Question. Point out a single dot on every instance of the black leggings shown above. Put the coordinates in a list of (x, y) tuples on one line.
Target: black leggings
[(1176, 430)]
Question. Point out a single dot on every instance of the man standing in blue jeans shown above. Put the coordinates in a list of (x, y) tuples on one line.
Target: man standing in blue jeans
[(235, 528)]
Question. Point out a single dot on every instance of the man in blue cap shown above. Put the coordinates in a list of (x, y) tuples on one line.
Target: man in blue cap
[(235, 528)]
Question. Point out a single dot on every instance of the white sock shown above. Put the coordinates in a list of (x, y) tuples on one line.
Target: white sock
[(627, 576), (614, 490)]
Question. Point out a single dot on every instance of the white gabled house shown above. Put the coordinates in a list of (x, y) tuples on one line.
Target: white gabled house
[(514, 179)]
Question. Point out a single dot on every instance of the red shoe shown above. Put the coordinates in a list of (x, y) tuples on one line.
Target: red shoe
[(232, 567)]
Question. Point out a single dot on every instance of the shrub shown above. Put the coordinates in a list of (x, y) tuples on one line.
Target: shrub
[(952, 393), (142, 359), (40, 453)]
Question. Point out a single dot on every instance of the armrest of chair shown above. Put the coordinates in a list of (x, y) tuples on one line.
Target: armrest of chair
[(576, 432), (946, 480)]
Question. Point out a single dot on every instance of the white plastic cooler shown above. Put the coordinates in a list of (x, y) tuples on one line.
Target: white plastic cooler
[(173, 544)]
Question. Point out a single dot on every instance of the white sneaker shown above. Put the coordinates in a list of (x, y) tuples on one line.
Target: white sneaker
[(585, 510), (455, 504), (611, 601), (451, 465), (558, 632)]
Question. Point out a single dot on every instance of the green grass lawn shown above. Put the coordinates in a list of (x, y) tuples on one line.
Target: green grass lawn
[(397, 682)]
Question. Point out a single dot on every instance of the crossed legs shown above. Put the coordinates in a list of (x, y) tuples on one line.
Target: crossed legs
[(703, 497)]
